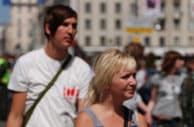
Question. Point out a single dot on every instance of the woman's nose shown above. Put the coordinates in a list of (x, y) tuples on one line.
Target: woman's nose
[(133, 81)]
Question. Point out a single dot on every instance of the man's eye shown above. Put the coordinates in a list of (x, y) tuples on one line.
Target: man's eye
[(65, 24), (74, 26)]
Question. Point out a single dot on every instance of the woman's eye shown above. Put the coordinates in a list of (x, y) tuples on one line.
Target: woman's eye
[(134, 75), (128, 76), (125, 76)]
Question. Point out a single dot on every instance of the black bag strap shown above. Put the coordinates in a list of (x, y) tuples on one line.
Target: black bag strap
[(51, 83), (127, 116)]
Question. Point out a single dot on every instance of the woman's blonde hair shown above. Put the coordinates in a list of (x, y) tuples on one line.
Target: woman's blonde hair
[(106, 65)]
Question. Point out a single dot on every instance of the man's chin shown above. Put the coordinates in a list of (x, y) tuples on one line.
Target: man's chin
[(67, 45)]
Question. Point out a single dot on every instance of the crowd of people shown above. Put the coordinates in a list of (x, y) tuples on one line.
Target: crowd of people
[(50, 87)]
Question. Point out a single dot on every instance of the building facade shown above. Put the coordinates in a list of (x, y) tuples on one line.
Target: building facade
[(159, 26), (115, 23), (25, 29)]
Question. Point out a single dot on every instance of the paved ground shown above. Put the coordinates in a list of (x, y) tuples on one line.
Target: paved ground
[(2, 123)]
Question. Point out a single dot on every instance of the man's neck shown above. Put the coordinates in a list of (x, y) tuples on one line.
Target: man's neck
[(55, 54)]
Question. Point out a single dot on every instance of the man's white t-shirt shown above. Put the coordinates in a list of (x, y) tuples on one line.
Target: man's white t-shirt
[(32, 73)]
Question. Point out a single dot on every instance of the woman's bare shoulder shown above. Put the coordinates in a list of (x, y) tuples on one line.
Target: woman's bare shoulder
[(83, 120)]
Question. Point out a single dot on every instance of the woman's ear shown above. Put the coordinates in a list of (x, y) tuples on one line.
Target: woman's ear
[(47, 29)]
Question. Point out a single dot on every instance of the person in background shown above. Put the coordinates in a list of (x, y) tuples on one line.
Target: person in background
[(4, 71), (114, 82), (150, 65), (187, 96), (164, 106), (4, 93), (34, 70), (137, 51)]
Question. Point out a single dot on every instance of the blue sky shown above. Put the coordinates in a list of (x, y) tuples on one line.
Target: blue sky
[(4, 12)]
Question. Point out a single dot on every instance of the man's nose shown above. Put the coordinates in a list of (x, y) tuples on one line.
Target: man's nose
[(71, 30)]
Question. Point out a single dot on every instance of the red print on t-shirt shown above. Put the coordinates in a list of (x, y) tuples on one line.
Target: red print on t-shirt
[(71, 92)]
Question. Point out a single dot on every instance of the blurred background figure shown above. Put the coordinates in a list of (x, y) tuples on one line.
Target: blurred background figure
[(151, 69), (187, 98), (136, 50), (4, 79), (164, 105)]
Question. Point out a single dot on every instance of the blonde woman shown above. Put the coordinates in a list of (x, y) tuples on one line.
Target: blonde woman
[(113, 83)]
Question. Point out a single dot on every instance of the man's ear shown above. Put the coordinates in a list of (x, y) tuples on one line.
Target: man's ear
[(47, 29)]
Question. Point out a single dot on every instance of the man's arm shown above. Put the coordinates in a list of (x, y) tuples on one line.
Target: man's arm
[(15, 117), (82, 103)]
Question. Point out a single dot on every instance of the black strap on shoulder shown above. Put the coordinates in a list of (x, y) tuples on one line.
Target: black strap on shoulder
[(127, 116), (51, 83)]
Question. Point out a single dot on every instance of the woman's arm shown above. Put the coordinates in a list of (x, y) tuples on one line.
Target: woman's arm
[(151, 105), (141, 120), (15, 117)]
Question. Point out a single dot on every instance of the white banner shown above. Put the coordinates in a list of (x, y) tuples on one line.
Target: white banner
[(151, 8)]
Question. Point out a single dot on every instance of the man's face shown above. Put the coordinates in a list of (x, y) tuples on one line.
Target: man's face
[(65, 33)]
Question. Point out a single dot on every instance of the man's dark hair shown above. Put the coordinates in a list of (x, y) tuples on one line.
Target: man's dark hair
[(55, 16)]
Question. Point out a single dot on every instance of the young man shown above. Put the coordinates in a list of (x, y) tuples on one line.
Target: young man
[(33, 71)]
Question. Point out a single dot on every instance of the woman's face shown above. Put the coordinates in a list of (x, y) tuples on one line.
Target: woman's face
[(179, 64), (124, 84)]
